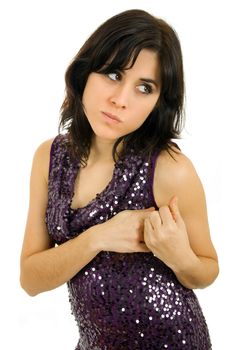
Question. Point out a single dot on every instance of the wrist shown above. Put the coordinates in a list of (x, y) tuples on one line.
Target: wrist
[(93, 239), (189, 271), (186, 263)]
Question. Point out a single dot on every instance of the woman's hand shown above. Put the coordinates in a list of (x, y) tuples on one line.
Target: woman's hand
[(166, 236), (124, 232)]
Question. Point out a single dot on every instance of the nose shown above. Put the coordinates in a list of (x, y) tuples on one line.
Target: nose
[(120, 97)]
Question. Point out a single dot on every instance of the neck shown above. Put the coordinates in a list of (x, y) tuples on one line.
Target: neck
[(101, 150)]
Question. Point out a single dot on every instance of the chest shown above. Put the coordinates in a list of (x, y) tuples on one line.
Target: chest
[(89, 182)]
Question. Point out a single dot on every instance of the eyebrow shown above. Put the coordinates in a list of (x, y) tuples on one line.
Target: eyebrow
[(147, 80)]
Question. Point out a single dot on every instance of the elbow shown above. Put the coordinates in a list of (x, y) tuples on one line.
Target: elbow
[(215, 272), (25, 285), (202, 278), (210, 278), (27, 279)]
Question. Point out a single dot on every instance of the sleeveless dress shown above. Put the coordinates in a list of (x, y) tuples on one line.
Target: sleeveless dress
[(121, 301)]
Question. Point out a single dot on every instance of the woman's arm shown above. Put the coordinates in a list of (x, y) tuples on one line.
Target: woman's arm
[(44, 267), (178, 233)]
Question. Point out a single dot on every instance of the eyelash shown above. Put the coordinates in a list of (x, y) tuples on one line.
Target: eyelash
[(147, 87)]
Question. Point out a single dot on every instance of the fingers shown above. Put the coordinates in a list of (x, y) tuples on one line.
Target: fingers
[(154, 220), (169, 213), (150, 234), (146, 212), (166, 213), (173, 206), (143, 214), (165, 216)]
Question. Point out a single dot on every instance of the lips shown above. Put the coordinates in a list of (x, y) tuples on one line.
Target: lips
[(112, 116)]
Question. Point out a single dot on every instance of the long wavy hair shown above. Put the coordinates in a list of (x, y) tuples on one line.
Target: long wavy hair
[(118, 41)]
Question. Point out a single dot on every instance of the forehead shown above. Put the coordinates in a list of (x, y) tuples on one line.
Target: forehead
[(147, 64)]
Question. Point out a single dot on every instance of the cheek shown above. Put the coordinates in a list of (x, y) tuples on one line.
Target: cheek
[(87, 96), (143, 111), (90, 94)]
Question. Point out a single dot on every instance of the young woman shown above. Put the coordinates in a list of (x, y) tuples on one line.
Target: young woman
[(116, 209)]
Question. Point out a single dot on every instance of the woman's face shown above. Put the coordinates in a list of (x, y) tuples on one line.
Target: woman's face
[(118, 103)]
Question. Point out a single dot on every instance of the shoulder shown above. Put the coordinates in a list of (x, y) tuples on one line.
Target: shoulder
[(41, 159), (52, 154), (174, 165), (175, 174), (44, 148)]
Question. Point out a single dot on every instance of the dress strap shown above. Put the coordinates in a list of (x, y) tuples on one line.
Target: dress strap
[(154, 158)]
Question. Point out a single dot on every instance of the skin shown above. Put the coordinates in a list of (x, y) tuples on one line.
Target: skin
[(178, 233), (124, 95)]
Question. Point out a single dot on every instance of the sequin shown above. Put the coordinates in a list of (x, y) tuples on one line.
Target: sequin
[(121, 301)]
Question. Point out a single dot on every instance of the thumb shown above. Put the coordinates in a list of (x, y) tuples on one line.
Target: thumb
[(173, 206)]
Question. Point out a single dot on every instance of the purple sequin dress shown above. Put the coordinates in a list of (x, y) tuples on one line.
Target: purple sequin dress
[(121, 301)]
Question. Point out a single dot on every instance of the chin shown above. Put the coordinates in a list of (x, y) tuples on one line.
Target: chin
[(108, 135)]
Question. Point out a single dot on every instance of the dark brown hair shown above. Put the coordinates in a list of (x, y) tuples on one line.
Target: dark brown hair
[(118, 41)]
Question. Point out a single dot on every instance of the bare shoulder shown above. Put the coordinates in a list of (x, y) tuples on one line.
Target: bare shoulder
[(41, 158), (175, 174), (176, 164)]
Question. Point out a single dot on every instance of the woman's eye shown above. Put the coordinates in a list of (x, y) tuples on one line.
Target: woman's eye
[(145, 89), (114, 76)]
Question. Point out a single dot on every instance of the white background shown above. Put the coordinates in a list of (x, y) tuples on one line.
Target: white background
[(38, 40)]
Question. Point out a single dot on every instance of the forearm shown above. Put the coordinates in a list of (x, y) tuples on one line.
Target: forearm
[(51, 268), (196, 272)]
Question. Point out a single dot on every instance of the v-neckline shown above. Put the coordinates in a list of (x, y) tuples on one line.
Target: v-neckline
[(98, 195)]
